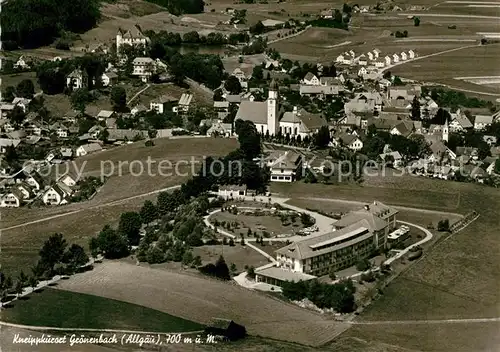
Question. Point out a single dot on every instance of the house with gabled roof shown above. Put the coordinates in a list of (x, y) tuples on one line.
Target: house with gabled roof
[(88, 149), (311, 79), (77, 79), (13, 198), (55, 195), (133, 37)]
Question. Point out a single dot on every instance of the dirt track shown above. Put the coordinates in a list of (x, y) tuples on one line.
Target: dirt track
[(200, 299)]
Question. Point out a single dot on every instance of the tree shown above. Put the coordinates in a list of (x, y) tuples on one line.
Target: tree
[(251, 272), (233, 85), (397, 81), (25, 89), (415, 109), (363, 265), (258, 73), (112, 244), (233, 269), (9, 94), (443, 225), (221, 269), (118, 99), (17, 115), (52, 251), (322, 138), (75, 257), (197, 261), (94, 247), (416, 21), (249, 139), (79, 99), (257, 28), (32, 282), (23, 277), (148, 212), (129, 226), (218, 95), (187, 258), (18, 288), (497, 167)]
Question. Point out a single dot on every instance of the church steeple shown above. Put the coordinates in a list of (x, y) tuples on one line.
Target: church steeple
[(272, 109), (445, 131)]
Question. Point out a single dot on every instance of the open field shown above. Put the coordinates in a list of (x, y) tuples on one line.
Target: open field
[(444, 68), (474, 337), (199, 299), (58, 308), (239, 255)]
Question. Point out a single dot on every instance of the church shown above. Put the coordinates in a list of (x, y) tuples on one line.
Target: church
[(269, 117)]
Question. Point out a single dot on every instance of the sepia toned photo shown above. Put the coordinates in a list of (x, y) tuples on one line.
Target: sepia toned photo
[(249, 175)]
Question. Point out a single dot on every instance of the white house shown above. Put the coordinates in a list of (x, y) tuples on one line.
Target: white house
[(88, 149), (371, 56), (286, 167), (68, 180), (311, 79), (108, 78), (404, 56), (184, 104), (350, 141), (395, 58), (388, 60), (376, 53), (22, 103), (340, 59), (482, 121), (144, 67), (12, 199), (77, 79), (162, 104), (362, 61), (411, 54), (131, 37), (362, 71), (379, 63), (55, 196)]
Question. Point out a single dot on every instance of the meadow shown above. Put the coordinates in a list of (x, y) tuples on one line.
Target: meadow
[(62, 309)]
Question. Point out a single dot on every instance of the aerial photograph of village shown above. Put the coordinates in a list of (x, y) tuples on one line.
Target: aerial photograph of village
[(250, 175)]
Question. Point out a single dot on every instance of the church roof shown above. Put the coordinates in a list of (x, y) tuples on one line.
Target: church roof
[(255, 111), (273, 85)]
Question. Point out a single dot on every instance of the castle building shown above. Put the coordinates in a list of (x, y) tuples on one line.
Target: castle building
[(134, 36)]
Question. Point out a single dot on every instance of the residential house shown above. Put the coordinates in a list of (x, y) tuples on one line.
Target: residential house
[(132, 37), (25, 190), (491, 140), (225, 329), (350, 141), (311, 80), (143, 67), (376, 53), (8, 142), (221, 108), (364, 102), (440, 153), (55, 195), (319, 91), (116, 134), (13, 198), (411, 54), (394, 158), (482, 121), (163, 104), (300, 123), (109, 78), (138, 108), (184, 104), (5, 109), (404, 56), (459, 122), (88, 149), (34, 180), (103, 115), (77, 79), (59, 130), (220, 129), (22, 103), (470, 152), (285, 167), (403, 128), (407, 92), (395, 58), (388, 61)]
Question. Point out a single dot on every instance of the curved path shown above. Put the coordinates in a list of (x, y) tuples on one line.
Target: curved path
[(432, 321)]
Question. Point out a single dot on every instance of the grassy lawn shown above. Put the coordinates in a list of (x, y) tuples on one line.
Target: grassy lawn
[(259, 224), (64, 309), (239, 255)]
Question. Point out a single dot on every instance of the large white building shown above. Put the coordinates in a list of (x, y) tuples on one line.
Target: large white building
[(355, 236), (131, 37), (269, 119)]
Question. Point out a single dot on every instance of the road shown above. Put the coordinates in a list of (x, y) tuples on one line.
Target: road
[(426, 322), (444, 15), (138, 93)]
